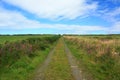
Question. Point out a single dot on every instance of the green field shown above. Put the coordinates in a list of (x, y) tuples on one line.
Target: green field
[(45, 57), (12, 38)]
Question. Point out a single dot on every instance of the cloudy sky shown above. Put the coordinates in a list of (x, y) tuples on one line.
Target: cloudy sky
[(59, 16)]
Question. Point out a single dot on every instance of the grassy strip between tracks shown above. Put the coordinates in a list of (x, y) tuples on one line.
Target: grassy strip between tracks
[(59, 68)]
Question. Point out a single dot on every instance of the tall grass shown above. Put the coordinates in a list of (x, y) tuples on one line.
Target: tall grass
[(100, 57), (18, 59)]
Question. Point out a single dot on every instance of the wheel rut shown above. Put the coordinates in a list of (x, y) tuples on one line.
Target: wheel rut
[(76, 72), (45, 72), (39, 75)]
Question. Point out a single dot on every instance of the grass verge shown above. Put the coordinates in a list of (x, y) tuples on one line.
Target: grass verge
[(18, 60), (92, 68), (24, 67)]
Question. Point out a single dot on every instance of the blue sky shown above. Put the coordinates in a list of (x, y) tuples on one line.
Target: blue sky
[(59, 16)]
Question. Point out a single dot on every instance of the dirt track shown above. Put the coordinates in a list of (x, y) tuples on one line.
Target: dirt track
[(73, 63), (75, 71), (39, 75)]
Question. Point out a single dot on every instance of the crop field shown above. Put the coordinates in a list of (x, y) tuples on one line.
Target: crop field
[(55, 57)]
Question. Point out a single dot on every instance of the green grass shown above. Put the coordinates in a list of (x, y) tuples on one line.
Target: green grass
[(3, 39), (24, 67), (14, 38), (83, 61), (104, 67), (59, 68)]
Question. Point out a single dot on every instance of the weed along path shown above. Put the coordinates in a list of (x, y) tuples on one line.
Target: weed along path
[(73, 63), (39, 75), (59, 65)]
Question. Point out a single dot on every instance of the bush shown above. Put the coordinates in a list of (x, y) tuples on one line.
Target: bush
[(12, 51)]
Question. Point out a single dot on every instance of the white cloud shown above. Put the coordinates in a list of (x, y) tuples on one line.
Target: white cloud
[(110, 15), (15, 20), (115, 12), (114, 1), (115, 28), (55, 9)]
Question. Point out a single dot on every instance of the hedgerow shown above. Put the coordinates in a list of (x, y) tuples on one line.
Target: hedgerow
[(10, 52)]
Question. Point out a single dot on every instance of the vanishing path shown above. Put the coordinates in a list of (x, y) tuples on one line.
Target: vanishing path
[(73, 63), (59, 68), (59, 65)]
